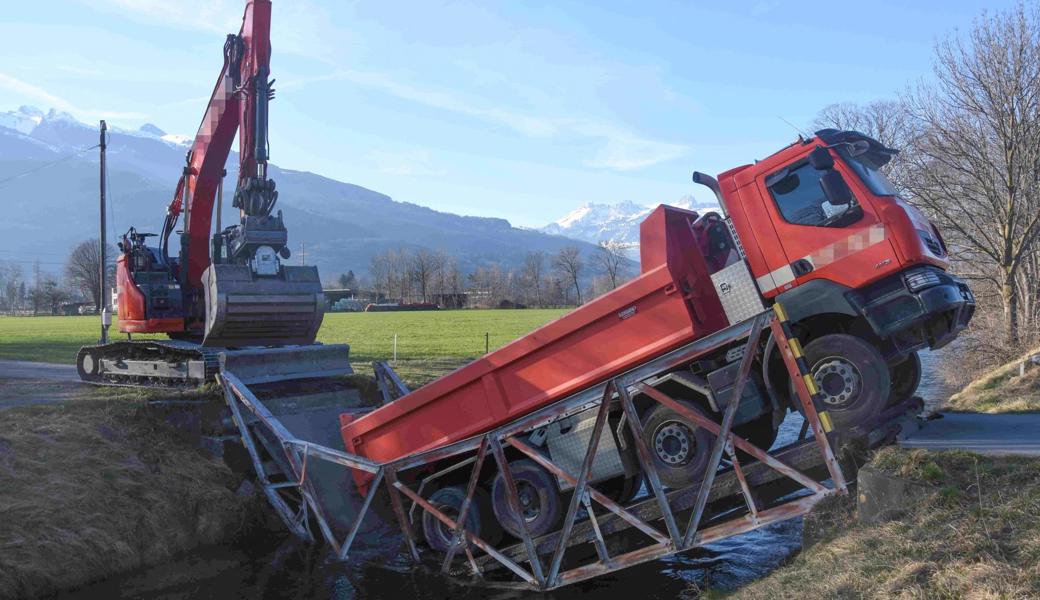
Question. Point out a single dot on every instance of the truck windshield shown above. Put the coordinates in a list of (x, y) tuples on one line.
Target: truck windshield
[(868, 167)]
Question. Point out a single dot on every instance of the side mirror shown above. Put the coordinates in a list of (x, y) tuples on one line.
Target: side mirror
[(820, 159), (834, 187)]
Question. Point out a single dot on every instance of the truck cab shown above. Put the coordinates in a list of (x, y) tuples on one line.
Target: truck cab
[(825, 233)]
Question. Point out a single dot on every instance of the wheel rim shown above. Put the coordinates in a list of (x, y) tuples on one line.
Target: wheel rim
[(674, 443), (839, 382), (443, 530), (530, 503)]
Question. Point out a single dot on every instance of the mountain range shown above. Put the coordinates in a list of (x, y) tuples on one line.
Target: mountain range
[(49, 194), (596, 223)]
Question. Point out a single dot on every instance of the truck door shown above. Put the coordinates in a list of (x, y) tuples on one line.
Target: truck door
[(842, 243)]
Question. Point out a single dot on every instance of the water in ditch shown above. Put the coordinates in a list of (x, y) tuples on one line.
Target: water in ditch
[(274, 566)]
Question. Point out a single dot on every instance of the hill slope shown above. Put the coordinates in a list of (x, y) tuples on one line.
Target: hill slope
[(342, 225)]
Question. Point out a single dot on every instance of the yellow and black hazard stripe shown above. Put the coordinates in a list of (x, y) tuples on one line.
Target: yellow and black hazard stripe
[(803, 366)]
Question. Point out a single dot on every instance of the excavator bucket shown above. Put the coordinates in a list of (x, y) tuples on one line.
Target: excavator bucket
[(245, 309)]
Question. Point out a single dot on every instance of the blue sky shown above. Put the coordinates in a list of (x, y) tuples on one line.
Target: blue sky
[(519, 110)]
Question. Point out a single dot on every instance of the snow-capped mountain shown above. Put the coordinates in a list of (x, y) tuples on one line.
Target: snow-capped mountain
[(23, 120), (595, 223)]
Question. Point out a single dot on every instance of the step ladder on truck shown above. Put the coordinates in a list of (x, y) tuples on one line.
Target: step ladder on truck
[(643, 423)]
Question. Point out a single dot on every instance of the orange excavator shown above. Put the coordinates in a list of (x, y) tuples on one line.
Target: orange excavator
[(228, 297)]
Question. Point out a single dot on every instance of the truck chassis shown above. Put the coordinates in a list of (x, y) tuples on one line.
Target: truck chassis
[(598, 534)]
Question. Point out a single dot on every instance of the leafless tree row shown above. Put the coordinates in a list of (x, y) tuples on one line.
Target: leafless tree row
[(561, 279)]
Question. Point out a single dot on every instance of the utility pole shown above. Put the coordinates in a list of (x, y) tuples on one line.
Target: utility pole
[(303, 254), (106, 315)]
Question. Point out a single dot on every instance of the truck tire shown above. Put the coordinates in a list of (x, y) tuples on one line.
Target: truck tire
[(852, 378), (906, 376), (539, 499), (449, 501), (679, 449)]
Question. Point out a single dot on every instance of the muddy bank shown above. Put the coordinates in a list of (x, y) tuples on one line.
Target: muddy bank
[(95, 482)]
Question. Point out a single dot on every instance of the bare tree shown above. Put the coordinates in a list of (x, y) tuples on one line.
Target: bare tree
[(48, 293), (386, 272), (531, 277), (569, 265), (611, 260), (12, 286), (450, 281), (976, 149), (423, 267)]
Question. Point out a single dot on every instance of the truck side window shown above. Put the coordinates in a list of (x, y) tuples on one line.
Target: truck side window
[(799, 197)]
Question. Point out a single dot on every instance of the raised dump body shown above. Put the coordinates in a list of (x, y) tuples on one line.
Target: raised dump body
[(672, 302)]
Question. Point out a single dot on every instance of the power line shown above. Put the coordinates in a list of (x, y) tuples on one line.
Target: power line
[(45, 165)]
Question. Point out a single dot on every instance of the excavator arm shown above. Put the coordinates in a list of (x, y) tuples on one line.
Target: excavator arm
[(238, 104), (236, 290)]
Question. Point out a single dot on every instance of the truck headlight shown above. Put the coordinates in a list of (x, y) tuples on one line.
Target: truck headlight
[(919, 279)]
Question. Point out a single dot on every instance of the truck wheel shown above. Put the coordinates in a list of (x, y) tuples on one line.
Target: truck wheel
[(852, 377), (906, 376), (539, 499), (449, 501), (679, 449)]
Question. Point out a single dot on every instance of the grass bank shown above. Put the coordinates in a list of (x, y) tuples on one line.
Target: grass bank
[(1002, 390), (421, 336), (99, 485), (974, 533)]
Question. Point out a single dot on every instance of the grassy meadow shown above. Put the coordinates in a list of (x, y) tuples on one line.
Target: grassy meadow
[(428, 343)]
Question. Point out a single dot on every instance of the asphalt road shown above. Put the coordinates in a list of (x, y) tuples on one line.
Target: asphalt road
[(23, 369), (23, 383), (1000, 434)]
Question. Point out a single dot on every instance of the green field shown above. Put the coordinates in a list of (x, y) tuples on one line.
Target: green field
[(439, 337)]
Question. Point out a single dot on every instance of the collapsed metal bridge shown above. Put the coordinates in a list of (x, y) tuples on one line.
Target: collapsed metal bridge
[(744, 488)]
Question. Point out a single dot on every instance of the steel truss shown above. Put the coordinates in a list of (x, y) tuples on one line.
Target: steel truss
[(539, 564)]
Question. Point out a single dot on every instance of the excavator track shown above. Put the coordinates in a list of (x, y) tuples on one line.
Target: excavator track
[(176, 363), (153, 363)]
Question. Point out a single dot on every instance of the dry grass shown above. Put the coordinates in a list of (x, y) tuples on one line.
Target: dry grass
[(97, 486), (976, 535), (1002, 390)]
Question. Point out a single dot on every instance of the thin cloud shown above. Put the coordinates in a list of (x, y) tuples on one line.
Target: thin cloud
[(217, 16), (410, 163), (300, 27), (621, 149), (42, 96)]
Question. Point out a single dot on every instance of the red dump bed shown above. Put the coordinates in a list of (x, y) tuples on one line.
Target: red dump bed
[(671, 303)]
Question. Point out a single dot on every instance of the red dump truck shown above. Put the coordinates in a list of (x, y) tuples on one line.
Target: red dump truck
[(816, 226)]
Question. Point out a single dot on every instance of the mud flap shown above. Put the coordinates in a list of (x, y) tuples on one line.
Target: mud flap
[(244, 309)]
